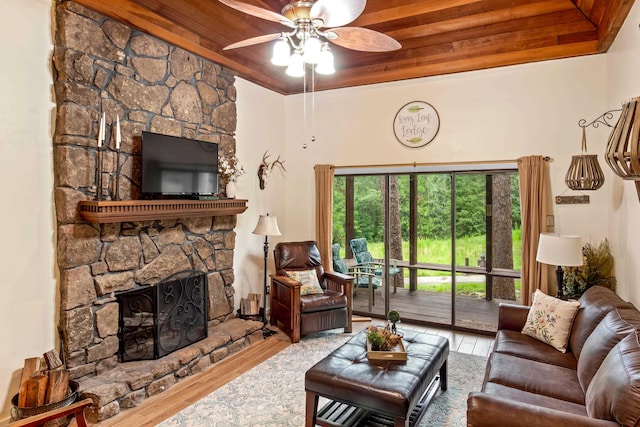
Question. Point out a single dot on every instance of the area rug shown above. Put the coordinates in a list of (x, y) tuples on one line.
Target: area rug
[(272, 393)]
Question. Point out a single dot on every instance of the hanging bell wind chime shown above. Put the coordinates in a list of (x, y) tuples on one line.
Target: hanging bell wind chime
[(584, 171)]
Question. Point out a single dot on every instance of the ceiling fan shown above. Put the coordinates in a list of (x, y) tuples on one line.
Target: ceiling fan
[(311, 23)]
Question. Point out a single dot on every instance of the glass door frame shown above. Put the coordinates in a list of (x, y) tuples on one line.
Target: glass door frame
[(453, 171)]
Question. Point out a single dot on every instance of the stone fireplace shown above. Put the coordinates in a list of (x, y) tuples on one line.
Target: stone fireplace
[(103, 66)]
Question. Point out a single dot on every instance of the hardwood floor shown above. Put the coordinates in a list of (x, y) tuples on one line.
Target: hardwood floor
[(162, 406), (461, 342)]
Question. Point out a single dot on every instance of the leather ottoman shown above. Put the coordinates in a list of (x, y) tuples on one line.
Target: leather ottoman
[(390, 392)]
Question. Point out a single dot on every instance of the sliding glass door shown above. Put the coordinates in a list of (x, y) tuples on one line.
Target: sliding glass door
[(445, 245), (429, 237), (470, 252)]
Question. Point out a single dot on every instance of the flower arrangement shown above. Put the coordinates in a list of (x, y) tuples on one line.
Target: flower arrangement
[(230, 168)]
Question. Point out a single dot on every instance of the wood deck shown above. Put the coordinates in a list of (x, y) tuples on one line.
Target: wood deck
[(433, 308)]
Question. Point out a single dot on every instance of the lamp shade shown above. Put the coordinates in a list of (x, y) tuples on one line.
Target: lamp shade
[(325, 66), (559, 250), (296, 65), (312, 50), (267, 226), (281, 52)]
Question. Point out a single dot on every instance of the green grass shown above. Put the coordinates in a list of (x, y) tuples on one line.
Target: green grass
[(473, 289), (438, 251)]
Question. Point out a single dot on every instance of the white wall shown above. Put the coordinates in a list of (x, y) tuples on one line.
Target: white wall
[(498, 114), (261, 123), (27, 257), (623, 69), (486, 115)]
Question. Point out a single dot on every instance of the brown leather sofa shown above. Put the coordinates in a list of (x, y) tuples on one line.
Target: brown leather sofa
[(595, 383)]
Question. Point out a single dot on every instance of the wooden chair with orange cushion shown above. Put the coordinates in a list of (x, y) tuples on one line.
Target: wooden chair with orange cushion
[(76, 409)]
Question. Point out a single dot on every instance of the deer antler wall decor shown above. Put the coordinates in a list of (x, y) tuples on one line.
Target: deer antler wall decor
[(265, 169)]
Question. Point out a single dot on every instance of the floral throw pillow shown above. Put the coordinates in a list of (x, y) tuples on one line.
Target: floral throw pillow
[(550, 320), (309, 281)]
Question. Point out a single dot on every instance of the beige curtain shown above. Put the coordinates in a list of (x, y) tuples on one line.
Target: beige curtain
[(534, 205), (324, 212)]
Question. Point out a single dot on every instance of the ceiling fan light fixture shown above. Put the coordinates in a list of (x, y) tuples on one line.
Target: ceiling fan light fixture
[(281, 52), (312, 23), (296, 65), (326, 63), (312, 50)]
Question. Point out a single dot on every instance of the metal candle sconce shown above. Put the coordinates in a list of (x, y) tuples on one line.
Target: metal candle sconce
[(101, 143), (101, 138), (118, 142)]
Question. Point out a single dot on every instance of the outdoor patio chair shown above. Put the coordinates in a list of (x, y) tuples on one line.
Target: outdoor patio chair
[(365, 259), (363, 275)]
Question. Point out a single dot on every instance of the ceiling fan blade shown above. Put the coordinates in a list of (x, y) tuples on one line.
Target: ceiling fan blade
[(363, 39), (258, 12), (336, 13), (253, 40)]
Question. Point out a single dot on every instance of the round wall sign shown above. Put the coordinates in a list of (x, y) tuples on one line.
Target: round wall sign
[(416, 124)]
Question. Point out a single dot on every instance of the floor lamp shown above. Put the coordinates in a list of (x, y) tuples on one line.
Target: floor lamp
[(267, 226), (558, 250)]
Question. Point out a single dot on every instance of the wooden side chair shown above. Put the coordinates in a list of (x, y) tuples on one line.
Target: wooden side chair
[(40, 420)]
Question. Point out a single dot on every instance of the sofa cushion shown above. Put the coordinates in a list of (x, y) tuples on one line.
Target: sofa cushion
[(328, 300), (534, 377), (614, 391), (550, 320), (521, 345), (616, 325), (308, 279), (518, 395), (595, 303), (322, 320)]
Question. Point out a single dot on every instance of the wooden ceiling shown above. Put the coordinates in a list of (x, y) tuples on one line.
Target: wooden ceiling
[(437, 36)]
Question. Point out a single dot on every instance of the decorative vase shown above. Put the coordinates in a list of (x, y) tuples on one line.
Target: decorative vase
[(230, 190)]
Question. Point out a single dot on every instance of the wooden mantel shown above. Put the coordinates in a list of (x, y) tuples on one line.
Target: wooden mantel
[(144, 210)]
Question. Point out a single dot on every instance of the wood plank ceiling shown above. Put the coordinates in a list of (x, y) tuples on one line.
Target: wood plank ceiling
[(437, 36)]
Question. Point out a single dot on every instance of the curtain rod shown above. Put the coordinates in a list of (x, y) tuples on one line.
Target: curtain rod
[(415, 164)]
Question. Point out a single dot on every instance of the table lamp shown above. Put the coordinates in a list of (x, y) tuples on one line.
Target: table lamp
[(561, 251)]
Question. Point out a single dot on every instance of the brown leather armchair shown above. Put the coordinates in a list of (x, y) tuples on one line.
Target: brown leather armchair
[(305, 314)]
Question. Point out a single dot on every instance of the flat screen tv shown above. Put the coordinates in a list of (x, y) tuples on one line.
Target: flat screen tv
[(173, 166)]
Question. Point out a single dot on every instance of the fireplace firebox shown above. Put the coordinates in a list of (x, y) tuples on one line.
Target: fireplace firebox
[(157, 320)]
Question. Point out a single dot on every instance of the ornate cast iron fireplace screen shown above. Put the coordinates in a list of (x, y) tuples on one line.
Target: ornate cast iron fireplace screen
[(157, 320)]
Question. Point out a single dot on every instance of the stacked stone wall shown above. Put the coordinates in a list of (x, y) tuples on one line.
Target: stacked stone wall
[(103, 66)]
